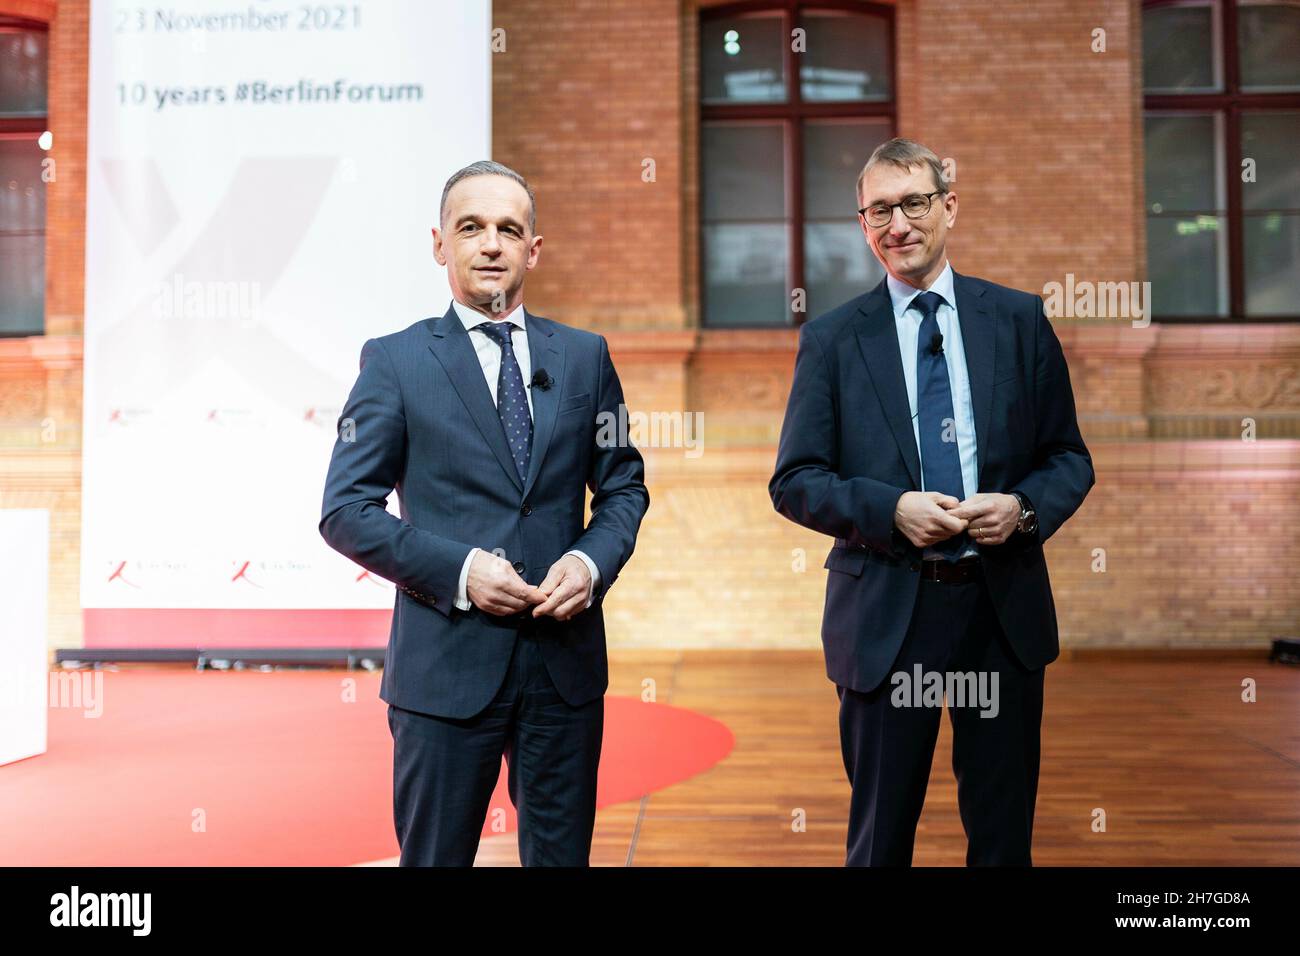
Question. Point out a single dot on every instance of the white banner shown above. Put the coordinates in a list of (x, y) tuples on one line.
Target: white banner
[(262, 178)]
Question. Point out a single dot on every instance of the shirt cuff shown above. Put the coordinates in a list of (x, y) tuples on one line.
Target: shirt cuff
[(595, 576), (462, 598)]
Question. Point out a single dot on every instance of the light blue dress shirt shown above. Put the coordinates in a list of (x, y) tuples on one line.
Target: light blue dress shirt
[(907, 322)]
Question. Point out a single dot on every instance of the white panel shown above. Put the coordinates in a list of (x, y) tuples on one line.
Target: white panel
[(24, 590)]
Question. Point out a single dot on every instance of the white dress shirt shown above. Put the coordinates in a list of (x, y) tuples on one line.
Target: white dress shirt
[(907, 322), (489, 351)]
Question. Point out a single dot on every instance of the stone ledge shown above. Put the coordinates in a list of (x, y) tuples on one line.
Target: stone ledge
[(43, 351)]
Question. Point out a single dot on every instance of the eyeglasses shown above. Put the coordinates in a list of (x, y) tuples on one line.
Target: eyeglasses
[(914, 207)]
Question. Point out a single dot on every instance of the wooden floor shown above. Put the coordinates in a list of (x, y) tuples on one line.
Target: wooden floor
[(1186, 772)]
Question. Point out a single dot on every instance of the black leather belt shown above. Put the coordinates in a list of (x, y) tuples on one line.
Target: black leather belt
[(950, 572)]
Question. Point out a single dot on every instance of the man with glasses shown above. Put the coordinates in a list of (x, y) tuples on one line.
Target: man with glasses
[(931, 431)]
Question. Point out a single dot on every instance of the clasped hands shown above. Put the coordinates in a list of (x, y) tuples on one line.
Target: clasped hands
[(495, 587), (927, 517)]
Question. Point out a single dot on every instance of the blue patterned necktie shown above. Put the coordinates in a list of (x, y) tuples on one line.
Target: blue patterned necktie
[(512, 400), (940, 458)]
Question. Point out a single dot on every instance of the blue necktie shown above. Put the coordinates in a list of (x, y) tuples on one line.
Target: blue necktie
[(940, 459), (512, 400)]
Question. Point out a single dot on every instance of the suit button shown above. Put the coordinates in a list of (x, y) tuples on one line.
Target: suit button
[(519, 567), (914, 566), (526, 510)]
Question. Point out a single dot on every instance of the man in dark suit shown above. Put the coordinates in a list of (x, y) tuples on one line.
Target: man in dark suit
[(485, 420), (931, 430)]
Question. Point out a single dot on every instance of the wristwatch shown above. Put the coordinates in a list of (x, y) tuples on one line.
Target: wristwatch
[(1028, 522)]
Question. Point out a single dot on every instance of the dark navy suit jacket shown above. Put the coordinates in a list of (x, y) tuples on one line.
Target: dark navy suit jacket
[(848, 452), (425, 424)]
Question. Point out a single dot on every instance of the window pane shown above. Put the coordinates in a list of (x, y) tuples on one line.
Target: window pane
[(22, 238), (742, 59), (745, 270), (1186, 229), (1272, 140), (24, 61), (745, 230), (838, 263), (1182, 163), (1268, 34), (1271, 228), (834, 152), (1180, 48), (847, 57), (743, 172), (1271, 243), (1186, 262)]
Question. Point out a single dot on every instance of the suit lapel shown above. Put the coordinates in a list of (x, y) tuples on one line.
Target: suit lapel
[(979, 341), (878, 340), (545, 351), (452, 347)]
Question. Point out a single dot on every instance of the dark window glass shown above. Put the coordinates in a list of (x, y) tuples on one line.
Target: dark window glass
[(22, 238), (24, 67), (1268, 43), (1183, 162), (1222, 140), (1186, 224), (745, 226), (1179, 48), (1271, 213), (838, 263), (743, 60), (847, 57), (779, 159)]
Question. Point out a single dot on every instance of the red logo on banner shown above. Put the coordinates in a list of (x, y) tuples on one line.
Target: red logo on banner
[(117, 575), (242, 575)]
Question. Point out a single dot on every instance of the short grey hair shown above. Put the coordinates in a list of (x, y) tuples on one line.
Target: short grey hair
[(905, 154), (486, 167)]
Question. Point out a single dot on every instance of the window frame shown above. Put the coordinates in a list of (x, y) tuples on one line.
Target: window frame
[(791, 115), (1229, 104), (26, 128)]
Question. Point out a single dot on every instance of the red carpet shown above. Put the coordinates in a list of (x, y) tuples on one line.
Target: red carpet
[(277, 767)]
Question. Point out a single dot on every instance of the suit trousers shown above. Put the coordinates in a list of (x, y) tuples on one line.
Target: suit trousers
[(445, 769), (888, 747)]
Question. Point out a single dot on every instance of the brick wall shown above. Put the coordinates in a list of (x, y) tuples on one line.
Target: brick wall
[(1180, 544), (1046, 133), (1192, 522), (585, 95)]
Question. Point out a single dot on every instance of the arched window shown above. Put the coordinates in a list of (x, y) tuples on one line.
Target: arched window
[(1222, 132), (24, 63), (793, 99)]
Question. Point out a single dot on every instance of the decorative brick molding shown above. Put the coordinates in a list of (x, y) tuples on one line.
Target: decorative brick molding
[(42, 10), (40, 393), (1204, 380)]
